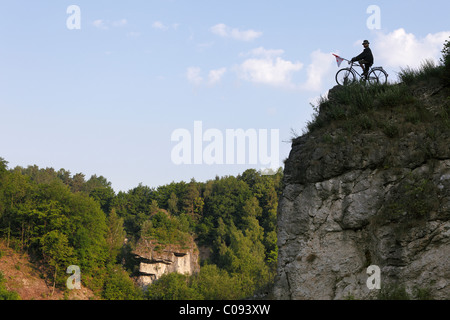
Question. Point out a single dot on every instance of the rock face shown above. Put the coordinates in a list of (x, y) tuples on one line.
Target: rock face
[(155, 261), (371, 200)]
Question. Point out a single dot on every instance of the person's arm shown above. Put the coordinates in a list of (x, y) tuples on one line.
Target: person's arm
[(361, 56)]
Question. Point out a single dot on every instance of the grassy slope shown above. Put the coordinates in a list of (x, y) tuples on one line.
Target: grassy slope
[(420, 101), (24, 277)]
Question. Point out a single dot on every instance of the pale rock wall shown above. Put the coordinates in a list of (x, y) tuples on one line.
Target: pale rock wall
[(155, 263), (369, 201)]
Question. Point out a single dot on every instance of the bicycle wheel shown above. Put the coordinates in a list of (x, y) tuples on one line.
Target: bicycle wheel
[(345, 76), (378, 76)]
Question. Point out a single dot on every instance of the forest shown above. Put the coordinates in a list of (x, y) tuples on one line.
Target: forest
[(62, 219)]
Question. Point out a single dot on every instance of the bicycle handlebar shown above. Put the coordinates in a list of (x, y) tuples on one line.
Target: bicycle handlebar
[(349, 61)]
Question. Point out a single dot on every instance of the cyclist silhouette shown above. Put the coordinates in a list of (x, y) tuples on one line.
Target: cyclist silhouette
[(365, 59)]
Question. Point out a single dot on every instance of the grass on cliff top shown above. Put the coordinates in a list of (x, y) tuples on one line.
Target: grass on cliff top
[(421, 96)]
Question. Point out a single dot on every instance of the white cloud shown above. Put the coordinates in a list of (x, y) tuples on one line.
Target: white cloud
[(120, 23), (193, 75), (400, 49), (159, 25), (266, 53), (133, 34), (234, 33), (215, 76), (100, 24), (394, 50), (205, 45), (267, 67), (319, 69), (220, 30), (105, 25)]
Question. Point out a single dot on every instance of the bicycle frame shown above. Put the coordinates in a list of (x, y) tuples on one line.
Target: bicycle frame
[(371, 69), (359, 64), (374, 75)]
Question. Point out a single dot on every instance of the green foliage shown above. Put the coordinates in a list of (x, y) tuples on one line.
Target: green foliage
[(233, 216), (413, 199), (67, 220), (172, 203), (173, 286), (42, 214), (164, 229), (3, 166), (422, 294), (213, 283), (395, 291), (115, 235), (427, 70), (6, 294), (390, 129), (56, 250), (446, 61), (354, 108), (135, 207), (119, 286)]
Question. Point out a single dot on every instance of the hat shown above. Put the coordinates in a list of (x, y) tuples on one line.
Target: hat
[(366, 42)]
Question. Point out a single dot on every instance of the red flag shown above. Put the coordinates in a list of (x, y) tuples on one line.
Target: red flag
[(338, 59)]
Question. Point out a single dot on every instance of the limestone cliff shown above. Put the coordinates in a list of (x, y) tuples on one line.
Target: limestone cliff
[(379, 195), (156, 260)]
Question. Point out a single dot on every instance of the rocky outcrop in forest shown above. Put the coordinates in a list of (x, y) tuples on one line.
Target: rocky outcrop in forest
[(156, 260), (369, 185)]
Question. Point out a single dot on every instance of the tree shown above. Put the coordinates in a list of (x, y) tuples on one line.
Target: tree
[(226, 199), (270, 243), (115, 234), (6, 294), (41, 218), (38, 175), (198, 208), (172, 286), (99, 188), (251, 211), (77, 182), (446, 61), (191, 203), (64, 176), (173, 203), (164, 193), (119, 286), (213, 283), (56, 252), (89, 225), (3, 174), (164, 229), (3, 166), (154, 207), (16, 190), (66, 220)]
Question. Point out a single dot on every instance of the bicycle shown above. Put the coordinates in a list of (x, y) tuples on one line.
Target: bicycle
[(377, 75)]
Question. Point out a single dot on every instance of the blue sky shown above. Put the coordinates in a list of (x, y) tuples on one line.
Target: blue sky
[(105, 99)]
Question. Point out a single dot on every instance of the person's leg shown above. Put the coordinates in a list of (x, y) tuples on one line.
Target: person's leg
[(365, 67), (366, 70)]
